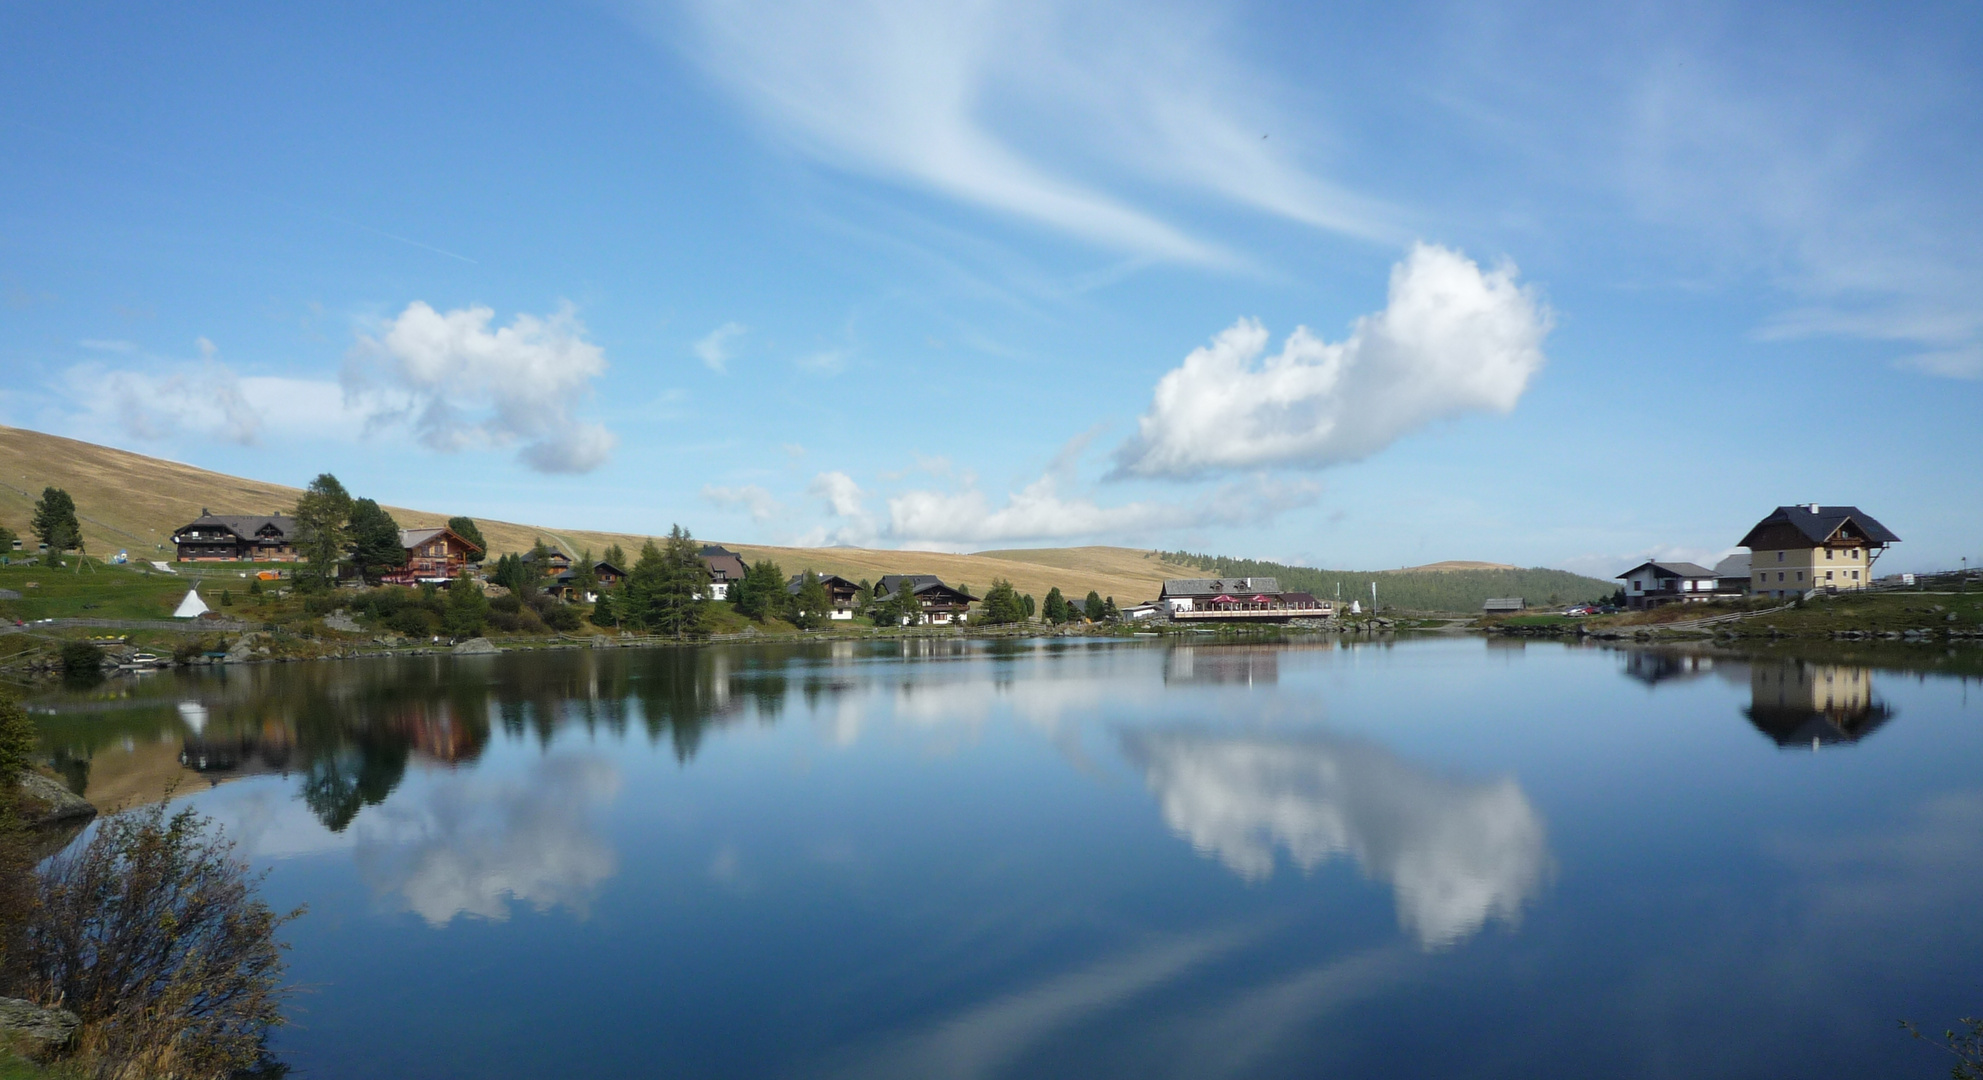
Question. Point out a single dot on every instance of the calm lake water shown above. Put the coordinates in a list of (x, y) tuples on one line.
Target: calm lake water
[(966, 859)]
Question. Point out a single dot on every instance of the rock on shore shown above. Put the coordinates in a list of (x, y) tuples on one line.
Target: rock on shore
[(43, 1028)]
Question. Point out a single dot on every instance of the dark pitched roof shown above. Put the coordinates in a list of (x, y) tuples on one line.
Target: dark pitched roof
[(1673, 569), (710, 551), (792, 586), (1818, 523), (549, 554), (918, 584), (609, 567), (244, 525), (1215, 586)]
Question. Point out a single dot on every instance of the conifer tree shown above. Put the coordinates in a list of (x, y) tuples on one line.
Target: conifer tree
[(467, 608), (812, 609), (1056, 607), (1092, 607), (323, 516), (375, 547), (54, 522), (465, 528)]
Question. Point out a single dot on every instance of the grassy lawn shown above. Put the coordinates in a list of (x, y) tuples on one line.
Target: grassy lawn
[(98, 592), (1871, 612), (1538, 620)]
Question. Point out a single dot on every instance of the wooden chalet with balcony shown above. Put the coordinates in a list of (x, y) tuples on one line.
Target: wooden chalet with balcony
[(1243, 599), (1651, 584), (237, 538), (942, 605), (433, 556), (840, 593)]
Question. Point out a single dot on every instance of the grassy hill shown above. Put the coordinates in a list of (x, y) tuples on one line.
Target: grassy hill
[(133, 502), (1439, 587)]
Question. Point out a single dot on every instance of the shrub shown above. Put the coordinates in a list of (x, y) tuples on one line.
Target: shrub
[(507, 604), (157, 937), (563, 618), (413, 621), (82, 661)]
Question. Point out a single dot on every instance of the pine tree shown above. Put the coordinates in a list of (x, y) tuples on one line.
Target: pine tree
[(467, 608), (1092, 607), (761, 594), (1055, 608), (584, 575), (616, 557), (1030, 606), (54, 522), (863, 597), (375, 547), (902, 606), (813, 607), (1002, 604), (465, 528), (323, 515)]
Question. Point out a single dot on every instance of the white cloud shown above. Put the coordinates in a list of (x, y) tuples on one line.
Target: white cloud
[(845, 501), (1451, 340), (968, 99), (459, 384), (470, 844), (713, 348), (1036, 512), (750, 497), (1456, 853)]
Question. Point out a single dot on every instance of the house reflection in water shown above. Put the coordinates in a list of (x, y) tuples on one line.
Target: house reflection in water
[(1655, 666), (1799, 704), (1222, 664)]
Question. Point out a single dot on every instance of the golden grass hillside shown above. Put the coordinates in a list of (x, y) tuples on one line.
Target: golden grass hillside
[(133, 502)]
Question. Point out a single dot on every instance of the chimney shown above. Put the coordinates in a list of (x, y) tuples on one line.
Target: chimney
[(1814, 508)]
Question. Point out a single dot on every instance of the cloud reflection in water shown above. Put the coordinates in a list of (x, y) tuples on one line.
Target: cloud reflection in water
[(473, 843), (1457, 853)]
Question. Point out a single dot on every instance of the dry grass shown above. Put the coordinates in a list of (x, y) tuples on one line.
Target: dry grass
[(133, 502)]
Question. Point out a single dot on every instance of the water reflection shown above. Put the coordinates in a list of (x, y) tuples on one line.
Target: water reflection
[(471, 844), (1801, 704), (1455, 852), (1222, 664)]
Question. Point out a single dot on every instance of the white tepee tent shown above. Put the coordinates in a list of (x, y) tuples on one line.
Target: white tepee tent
[(192, 607)]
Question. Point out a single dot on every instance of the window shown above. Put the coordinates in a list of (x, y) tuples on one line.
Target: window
[(1828, 553), (1828, 575), (1855, 575), (1779, 558), (1779, 575), (1800, 575)]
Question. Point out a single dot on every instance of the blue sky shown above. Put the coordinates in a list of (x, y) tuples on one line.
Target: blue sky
[(1355, 287)]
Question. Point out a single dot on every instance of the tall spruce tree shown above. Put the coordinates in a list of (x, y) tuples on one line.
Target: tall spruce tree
[(644, 581), (465, 528), (55, 523), (585, 575), (676, 607), (616, 556), (375, 547), (1002, 604), (812, 608), (1055, 608), (467, 609), (761, 594), (1092, 607), (323, 516)]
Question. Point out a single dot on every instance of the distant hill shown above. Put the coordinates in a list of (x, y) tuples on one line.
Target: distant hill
[(133, 502), (1455, 564), (1420, 588)]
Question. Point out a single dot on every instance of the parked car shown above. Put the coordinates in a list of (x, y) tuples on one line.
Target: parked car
[(1580, 609)]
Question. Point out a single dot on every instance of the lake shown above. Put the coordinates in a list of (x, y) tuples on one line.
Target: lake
[(1093, 858)]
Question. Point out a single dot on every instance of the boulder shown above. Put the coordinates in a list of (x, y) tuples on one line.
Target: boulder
[(476, 647), (47, 802), (44, 1029)]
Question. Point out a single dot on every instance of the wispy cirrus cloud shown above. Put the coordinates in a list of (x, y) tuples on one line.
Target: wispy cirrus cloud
[(973, 102), (716, 348)]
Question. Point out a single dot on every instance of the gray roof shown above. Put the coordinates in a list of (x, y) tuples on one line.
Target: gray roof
[(1736, 565), (1818, 523), (1216, 586), (1673, 569), (918, 583), (245, 525)]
